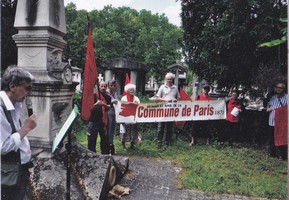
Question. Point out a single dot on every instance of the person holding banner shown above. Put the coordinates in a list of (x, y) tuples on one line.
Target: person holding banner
[(111, 114), (98, 121), (167, 92), (277, 102), (202, 126), (233, 117), (131, 132)]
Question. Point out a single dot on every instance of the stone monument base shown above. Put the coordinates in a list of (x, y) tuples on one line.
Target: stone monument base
[(92, 175)]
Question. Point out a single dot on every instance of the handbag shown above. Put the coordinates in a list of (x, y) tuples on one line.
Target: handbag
[(11, 162), (10, 173)]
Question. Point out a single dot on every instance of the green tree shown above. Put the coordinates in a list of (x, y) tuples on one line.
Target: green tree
[(124, 32), (277, 41), (221, 39), (8, 47), (76, 37)]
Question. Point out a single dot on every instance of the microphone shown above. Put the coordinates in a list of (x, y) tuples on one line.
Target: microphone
[(28, 103)]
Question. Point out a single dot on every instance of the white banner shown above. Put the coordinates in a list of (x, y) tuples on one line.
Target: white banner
[(163, 112)]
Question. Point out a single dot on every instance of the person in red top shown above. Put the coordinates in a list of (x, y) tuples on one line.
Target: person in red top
[(202, 127), (205, 93), (233, 117)]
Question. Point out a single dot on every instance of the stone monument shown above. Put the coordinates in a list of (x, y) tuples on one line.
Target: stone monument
[(41, 26)]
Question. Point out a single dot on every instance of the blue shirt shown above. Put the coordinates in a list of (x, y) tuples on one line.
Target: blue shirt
[(274, 103)]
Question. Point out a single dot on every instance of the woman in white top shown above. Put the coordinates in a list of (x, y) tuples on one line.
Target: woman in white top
[(130, 133)]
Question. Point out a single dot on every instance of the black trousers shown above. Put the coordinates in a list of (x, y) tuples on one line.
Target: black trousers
[(280, 151), (201, 129), (169, 132), (233, 132), (92, 131)]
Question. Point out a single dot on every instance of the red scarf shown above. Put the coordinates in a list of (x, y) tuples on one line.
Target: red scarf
[(129, 98), (104, 112)]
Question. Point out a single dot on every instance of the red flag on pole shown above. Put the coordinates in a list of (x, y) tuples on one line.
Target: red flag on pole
[(127, 81), (183, 97), (89, 79)]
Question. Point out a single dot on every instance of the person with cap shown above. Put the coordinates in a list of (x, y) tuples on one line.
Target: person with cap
[(233, 117), (202, 126), (131, 132), (167, 92)]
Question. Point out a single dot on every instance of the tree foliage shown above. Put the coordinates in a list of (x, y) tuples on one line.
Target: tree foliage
[(221, 39), (275, 42), (124, 32), (117, 32), (8, 47)]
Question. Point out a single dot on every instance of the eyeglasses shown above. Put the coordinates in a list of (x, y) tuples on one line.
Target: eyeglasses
[(28, 88), (280, 88), (112, 85)]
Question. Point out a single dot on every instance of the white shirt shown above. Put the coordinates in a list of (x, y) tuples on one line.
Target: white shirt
[(168, 93), (12, 142)]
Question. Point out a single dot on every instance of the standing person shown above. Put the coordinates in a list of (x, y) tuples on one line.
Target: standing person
[(131, 131), (233, 117), (111, 114), (278, 100), (98, 121), (16, 86), (167, 92), (202, 127)]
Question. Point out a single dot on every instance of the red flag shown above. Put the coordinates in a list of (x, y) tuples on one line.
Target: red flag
[(281, 126), (127, 81), (89, 79), (183, 97)]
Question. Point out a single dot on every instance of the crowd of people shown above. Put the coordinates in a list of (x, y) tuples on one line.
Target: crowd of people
[(16, 86), (168, 92)]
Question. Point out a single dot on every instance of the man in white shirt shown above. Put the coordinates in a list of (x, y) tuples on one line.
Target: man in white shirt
[(168, 92), (16, 84)]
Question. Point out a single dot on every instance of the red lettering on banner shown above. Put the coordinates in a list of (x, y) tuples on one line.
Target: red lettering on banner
[(186, 111), (203, 111), (157, 112)]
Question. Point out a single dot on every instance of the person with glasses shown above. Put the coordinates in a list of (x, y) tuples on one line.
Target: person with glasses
[(111, 91), (16, 85), (167, 92), (278, 100)]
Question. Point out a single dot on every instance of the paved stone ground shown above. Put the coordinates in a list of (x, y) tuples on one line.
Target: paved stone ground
[(157, 180)]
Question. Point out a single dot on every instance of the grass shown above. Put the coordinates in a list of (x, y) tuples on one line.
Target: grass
[(218, 168)]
